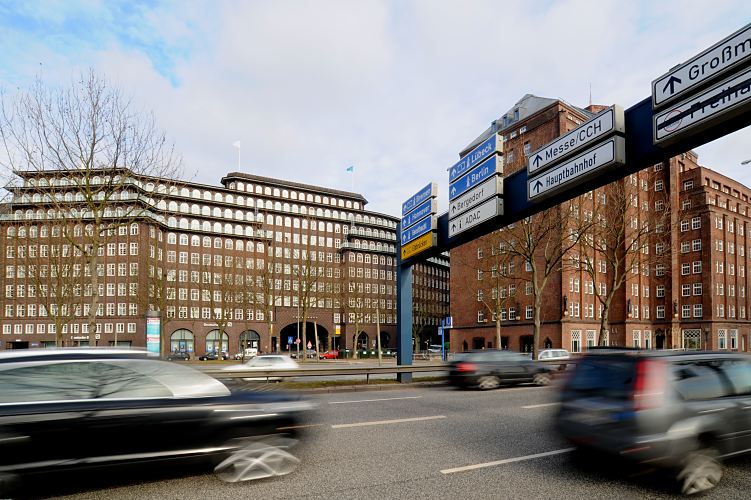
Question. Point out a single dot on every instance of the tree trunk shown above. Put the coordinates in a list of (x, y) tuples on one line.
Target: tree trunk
[(315, 333), (498, 332)]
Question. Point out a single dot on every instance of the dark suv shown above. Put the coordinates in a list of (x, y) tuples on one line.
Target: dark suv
[(683, 411)]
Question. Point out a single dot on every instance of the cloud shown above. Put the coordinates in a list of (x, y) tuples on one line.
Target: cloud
[(395, 88)]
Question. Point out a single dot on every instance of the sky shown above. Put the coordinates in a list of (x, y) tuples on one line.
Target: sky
[(393, 88)]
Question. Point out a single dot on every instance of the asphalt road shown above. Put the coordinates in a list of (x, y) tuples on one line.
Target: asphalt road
[(422, 442)]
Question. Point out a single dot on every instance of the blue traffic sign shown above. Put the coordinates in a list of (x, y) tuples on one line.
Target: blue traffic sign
[(489, 146), (423, 227), (290, 340), (428, 208), (483, 171), (429, 191)]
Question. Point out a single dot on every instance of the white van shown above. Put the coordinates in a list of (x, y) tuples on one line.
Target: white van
[(250, 352), (553, 354)]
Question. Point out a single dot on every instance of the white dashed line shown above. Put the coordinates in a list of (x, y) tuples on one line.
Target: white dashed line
[(506, 461), (387, 422), (540, 406), (371, 400)]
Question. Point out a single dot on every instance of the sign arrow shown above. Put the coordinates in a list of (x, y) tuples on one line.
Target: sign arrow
[(453, 190), (453, 227), (537, 160), (537, 186), (453, 209), (671, 83)]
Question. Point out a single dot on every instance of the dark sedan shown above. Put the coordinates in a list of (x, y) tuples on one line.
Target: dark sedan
[(490, 369), (70, 409)]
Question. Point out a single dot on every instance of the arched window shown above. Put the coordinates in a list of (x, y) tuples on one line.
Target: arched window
[(181, 340), (216, 342)]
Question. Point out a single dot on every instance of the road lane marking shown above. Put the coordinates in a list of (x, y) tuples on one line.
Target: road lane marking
[(386, 422), (529, 407), (303, 426), (371, 400), (506, 461)]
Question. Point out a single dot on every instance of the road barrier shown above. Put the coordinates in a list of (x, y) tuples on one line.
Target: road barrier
[(324, 372)]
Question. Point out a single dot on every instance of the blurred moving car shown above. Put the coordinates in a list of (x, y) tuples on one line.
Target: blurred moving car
[(682, 411), (553, 355), (213, 356), (330, 354), (178, 356), (63, 409), (265, 362), (489, 369)]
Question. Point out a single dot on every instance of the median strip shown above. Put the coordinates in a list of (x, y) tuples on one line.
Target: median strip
[(506, 461), (387, 422)]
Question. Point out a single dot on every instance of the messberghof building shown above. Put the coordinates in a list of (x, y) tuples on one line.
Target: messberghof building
[(683, 248)]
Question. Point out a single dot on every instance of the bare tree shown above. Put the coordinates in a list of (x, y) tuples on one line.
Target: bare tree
[(496, 289), (542, 242), (53, 274), (623, 239), (91, 158)]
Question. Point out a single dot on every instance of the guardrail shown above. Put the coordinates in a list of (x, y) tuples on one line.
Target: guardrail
[(323, 372)]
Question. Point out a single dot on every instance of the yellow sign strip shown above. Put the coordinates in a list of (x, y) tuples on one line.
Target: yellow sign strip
[(419, 245)]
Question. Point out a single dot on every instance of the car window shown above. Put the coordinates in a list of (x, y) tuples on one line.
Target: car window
[(694, 381), (606, 376), (739, 373), (75, 381)]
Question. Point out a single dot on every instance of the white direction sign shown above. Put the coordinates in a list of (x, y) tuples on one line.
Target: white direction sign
[(604, 124), (477, 215), (575, 171), (728, 98), (476, 196), (713, 62)]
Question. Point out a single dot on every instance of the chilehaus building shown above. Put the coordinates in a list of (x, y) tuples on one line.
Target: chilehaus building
[(255, 262)]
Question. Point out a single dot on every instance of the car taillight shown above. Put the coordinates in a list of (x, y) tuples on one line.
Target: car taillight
[(650, 384), (466, 367)]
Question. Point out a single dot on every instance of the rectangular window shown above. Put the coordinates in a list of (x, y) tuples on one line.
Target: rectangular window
[(697, 288), (696, 245), (685, 269), (685, 311), (696, 267), (660, 312)]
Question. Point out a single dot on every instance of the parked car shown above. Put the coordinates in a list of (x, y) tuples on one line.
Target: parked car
[(488, 369), (213, 356), (178, 356), (682, 411), (247, 353), (310, 354), (330, 354), (64, 409), (265, 362)]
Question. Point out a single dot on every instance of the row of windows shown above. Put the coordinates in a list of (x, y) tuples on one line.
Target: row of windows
[(44, 251), (44, 231), (74, 270), (75, 290), (74, 328), (66, 310)]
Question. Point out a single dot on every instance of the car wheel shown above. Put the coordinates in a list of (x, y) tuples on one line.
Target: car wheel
[(542, 378), (488, 382), (258, 459), (700, 471)]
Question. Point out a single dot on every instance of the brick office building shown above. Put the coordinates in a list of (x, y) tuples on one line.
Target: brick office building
[(692, 296), (226, 266)]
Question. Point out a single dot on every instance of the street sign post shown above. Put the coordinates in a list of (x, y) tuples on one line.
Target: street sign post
[(418, 245), (425, 226), (429, 191), (604, 124), (476, 196), (491, 145), (424, 210), (486, 169), (418, 224), (477, 215), (731, 53), (729, 98), (575, 171)]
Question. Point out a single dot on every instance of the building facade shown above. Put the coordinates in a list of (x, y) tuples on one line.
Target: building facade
[(681, 271), (255, 262)]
